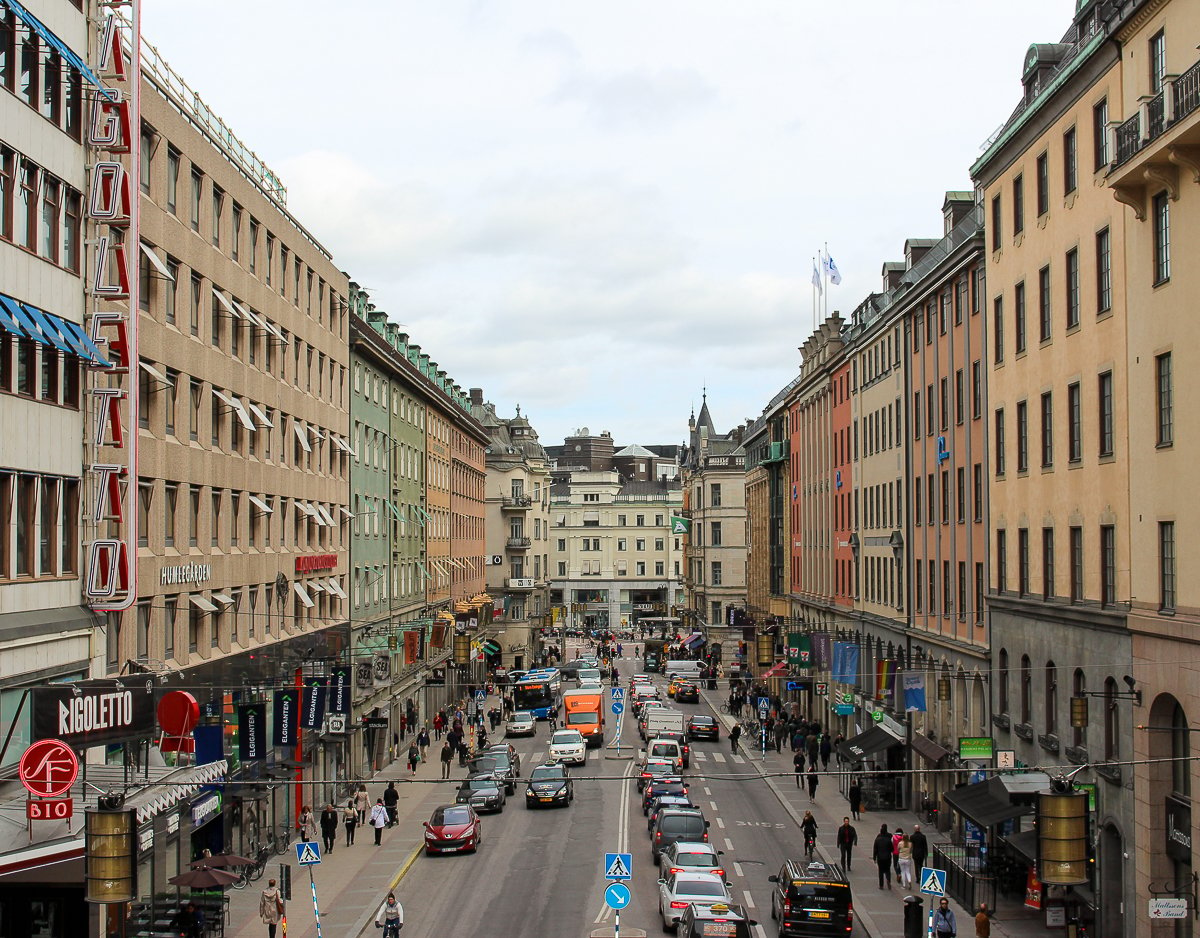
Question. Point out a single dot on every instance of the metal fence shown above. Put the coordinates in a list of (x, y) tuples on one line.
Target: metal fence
[(966, 882)]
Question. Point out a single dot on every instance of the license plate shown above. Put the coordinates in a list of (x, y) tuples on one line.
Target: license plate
[(545, 799), (818, 915), (718, 928)]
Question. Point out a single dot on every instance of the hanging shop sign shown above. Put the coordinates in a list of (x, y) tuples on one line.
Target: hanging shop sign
[(252, 732), (48, 768), (287, 718), (204, 808), (312, 714), (1178, 831), (110, 458), (975, 748), (92, 713), (339, 689), (178, 714)]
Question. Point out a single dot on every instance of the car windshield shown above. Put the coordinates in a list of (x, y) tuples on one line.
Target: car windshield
[(546, 773), (499, 760), (586, 718), (521, 718), (479, 783), (698, 887), (566, 738), (664, 749), (446, 817)]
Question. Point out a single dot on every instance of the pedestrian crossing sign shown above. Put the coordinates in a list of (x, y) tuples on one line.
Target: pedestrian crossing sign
[(617, 694), (480, 696), (618, 865), (933, 882), (307, 853)]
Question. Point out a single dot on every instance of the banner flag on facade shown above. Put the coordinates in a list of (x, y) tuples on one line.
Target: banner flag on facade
[(412, 647), (850, 663), (252, 732), (313, 712), (680, 525), (339, 689), (914, 691), (821, 649), (286, 709), (838, 669), (885, 678)]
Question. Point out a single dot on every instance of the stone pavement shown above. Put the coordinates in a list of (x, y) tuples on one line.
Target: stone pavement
[(879, 911)]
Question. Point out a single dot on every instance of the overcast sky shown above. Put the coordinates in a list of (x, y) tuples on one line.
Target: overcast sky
[(593, 210)]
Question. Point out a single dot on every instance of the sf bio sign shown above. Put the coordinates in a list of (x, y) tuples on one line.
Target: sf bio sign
[(48, 769)]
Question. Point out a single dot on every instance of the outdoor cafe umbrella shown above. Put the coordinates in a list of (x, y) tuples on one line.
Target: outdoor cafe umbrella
[(222, 859), (204, 878)]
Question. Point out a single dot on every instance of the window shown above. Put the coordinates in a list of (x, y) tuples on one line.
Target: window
[(976, 390), (1001, 561), (714, 495), (1070, 172), (1051, 698), (977, 505), (1103, 272), (562, 568), (1047, 430), (1162, 238), (235, 243), (959, 392), (1018, 194), (999, 441), (1044, 323), (1072, 275), (1158, 61), (170, 504), (1002, 681), (1023, 561), (1022, 436), (1076, 547), (1108, 564), (1105, 394), (1100, 134), (1166, 566), (1043, 184), (253, 245), (1164, 399), (1019, 316), (715, 540), (1074, 424), (172, 180), (1026, 689), (640, 568), (197, 190), (218, 206), (215, 520), (961, 494), (1078, 689), (998, 328), (716, 573), (1047, 563)]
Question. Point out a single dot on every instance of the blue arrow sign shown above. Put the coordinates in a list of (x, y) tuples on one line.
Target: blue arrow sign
[(308, 853), (617, 693), (933, 882), (618, 707), (618, 865), (617, 896)]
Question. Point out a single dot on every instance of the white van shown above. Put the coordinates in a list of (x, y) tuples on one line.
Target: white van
[(665, 749), (684, 668)]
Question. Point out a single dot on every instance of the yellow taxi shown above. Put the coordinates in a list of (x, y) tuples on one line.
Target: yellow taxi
[(673, 685)]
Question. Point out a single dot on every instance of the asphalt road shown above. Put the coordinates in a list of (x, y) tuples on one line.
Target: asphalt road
[(539, 872)]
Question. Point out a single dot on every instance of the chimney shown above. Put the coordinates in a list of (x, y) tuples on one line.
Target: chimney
[(476, 395)]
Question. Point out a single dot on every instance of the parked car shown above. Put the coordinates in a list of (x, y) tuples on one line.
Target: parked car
[(453, 828)]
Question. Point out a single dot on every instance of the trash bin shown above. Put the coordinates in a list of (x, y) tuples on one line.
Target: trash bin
[(914, 917)]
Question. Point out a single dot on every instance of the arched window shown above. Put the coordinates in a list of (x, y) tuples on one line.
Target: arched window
[(1051, 698), (1026, 689), (1002, 681), (1181, 751), (1078, 687), (1112, 739)]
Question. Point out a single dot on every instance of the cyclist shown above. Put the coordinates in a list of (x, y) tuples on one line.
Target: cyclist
[(390, 916), (809, 826), (616, 678)]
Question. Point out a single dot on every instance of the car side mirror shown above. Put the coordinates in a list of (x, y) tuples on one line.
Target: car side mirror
[(772, 879), (720, 853), (425, 824), (753, 922), (662, 882), (707, 825)]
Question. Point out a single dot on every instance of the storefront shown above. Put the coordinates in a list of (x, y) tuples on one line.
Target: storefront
[(878, 755)]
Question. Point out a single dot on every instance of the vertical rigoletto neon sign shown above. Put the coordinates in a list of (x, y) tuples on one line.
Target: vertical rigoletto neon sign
[(113, 139)]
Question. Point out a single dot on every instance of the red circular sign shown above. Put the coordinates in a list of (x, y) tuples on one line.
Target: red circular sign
[(178, 713), (49, 768)]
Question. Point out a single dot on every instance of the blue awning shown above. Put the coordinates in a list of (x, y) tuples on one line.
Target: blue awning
[(29, 322), (695, 641), (68, 55)]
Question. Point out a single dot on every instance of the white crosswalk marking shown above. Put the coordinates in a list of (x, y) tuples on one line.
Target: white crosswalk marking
[(700, 756), (738, 759), (718, 757)]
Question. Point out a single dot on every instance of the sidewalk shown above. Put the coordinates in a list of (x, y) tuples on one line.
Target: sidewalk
[(881, 912), (351, 881)]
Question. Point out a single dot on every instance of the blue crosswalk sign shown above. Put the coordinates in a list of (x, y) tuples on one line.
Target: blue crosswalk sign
[(617, 895), (480, 696), (308, 853), (618, 865), (933, 882), (617, 693)]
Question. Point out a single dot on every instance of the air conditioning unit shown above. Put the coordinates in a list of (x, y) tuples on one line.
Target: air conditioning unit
[(335, 723)]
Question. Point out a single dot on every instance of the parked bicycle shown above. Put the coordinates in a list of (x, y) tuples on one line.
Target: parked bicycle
[(281, 841), (254, 872)]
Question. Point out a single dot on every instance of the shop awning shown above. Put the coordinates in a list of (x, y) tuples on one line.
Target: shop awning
[(695, 640), (1025, 844), (491, 647), (776, 669), (201, 602), (985, 803), (876, 739), (927, 749)]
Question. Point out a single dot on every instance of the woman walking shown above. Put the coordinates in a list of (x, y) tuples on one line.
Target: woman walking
[(362, 803), (379, 819), (855, 797), (306, 824), (414, 758), (350, 820), (423, 742), (905, 854)]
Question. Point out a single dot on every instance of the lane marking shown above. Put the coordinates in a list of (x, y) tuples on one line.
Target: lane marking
[(738, 759), (749, 898), (728, 844), (720, 824), (737, 868), (713, 805), (707, 791)]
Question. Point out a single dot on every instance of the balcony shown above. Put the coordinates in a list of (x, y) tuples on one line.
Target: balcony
[(776, 452), (518, 543), (520, 583), (516, 503), (1024, 730)]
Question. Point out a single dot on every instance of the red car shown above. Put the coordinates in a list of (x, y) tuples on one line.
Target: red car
[(453, 828)]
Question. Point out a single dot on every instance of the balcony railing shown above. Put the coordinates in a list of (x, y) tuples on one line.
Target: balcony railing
[(1179, 98), (518, 543), (1129, 139), (1187, 92), (1155, 115), (516, 502)]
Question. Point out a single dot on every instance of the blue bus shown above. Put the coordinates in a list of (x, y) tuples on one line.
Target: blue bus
[(539, 692)]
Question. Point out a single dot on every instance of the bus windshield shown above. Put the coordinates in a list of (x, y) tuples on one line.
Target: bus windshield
[(538, 696)]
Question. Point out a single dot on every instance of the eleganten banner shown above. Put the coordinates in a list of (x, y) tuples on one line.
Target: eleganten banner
[(313, 711), (252, 732), (286, 718), (339, 689)]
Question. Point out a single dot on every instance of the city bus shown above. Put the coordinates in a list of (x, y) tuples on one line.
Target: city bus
[(539, 692)]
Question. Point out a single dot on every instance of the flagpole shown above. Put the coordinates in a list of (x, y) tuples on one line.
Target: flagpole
[(813, 286), (825, 277)]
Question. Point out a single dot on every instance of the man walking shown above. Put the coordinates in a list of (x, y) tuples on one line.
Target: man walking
[(847, 839), (329, 826), (944, 925), (983, 922), (447, 757), (920, 848), (798, 766), (812, 787), (390, 798), (881, 853), (270, 907)]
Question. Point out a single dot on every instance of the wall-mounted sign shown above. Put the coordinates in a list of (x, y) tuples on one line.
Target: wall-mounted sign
[(91, 713), (48, 768), (312, 715), (311, 563), (204, 808), (1178, 830), (185, 573), (971, 748), (58, 809)]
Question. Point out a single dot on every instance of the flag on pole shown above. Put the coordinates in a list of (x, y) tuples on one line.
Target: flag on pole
[(816, 277), (835, 275), (914, 691)]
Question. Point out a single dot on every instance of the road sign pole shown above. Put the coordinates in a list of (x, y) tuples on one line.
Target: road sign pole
[(316, 911), (616, 923)]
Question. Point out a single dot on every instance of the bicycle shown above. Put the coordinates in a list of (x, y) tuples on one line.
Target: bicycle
[(810, 845), (281, 841), (254, 872)]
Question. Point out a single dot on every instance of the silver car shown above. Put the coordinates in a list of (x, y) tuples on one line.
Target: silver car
[(521, 723)]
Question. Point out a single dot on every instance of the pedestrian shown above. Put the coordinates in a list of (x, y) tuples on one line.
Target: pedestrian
[(826, 751), (920, 849), (270, 907), (812, 787), (379, 820), (904, 853), (403, 729), (350, 821), (390, 797), (881, 853), (362, 803), (897, 836), (329, 825), (188, 921), (390, 916), (439, 724), (447, 757), (983, 922), (809, 826), (944, 925), (854, 795), (847, 839), (414, 757), (306, 824), (780, 735), (734, 735), (798, 743), (423, 742), (798, 765)]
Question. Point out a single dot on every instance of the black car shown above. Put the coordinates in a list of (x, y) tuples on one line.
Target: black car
[(549, 785), (687, 693), (481, 792), (701, 726), (671, 785), (725, 919), (504, 765), (665, 801), (677, 824), (811, 900)]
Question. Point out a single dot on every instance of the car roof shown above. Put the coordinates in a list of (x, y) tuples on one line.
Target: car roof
[(719, 910), (691, 846), (703, 718), (698, 876)]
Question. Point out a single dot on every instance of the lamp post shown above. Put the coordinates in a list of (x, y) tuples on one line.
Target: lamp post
[(110, 858)]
